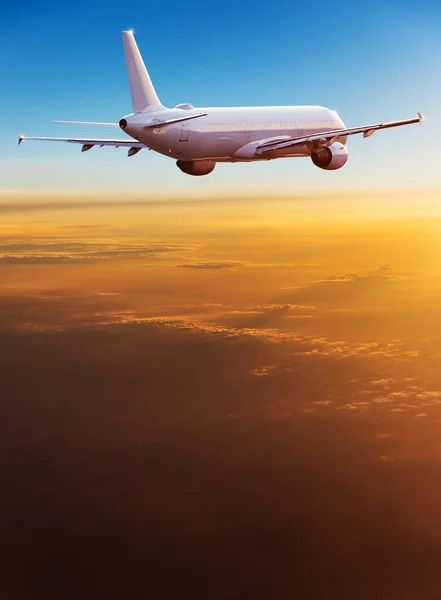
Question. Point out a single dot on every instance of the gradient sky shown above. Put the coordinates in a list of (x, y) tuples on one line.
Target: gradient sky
[(372, 62)]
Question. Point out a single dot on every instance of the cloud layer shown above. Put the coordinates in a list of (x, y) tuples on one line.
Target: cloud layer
[(217, 402), (61, 251)]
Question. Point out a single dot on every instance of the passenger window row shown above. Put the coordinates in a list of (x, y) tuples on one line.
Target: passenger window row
[(267, 125)]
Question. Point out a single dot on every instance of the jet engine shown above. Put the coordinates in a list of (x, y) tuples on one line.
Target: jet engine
[(196, 167), (330, 158)]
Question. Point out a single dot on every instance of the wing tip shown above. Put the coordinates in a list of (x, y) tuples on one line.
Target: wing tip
[(20, 138), (421, 117)]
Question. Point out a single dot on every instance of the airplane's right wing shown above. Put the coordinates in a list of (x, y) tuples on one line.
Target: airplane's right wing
[(87, 144)]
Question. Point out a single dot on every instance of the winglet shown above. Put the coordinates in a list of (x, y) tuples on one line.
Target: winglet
[(20, 138), (421, 117)]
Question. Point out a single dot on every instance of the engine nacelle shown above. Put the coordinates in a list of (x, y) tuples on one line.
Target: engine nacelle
[(331, 158), (196, 167)]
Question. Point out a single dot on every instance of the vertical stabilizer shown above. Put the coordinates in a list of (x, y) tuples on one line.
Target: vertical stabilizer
[(141, 88)]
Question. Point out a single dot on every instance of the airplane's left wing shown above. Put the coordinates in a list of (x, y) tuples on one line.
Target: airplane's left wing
[(87, 144), (329, 137)]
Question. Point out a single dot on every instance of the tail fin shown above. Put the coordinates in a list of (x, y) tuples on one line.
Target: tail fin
[(141, 88)]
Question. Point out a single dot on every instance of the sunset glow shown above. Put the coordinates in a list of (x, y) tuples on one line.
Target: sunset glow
[(220, 387)]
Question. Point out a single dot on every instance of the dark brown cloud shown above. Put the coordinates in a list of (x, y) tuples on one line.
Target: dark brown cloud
[(56, 310), (151, 452)]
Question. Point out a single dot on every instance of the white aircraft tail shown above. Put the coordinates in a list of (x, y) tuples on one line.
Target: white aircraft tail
[(143, 93)]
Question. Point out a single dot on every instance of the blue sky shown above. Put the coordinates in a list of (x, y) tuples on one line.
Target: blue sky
[(371, 61)]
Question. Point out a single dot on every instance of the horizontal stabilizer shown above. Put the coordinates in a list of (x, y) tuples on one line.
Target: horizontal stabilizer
[(156, 124), (88, 123)]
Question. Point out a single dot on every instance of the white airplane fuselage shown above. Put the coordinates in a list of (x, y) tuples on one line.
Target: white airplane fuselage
[(230, 134)]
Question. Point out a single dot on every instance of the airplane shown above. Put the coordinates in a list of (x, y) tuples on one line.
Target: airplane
[(198, 138)]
